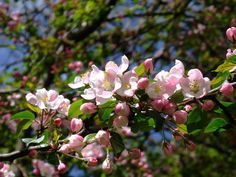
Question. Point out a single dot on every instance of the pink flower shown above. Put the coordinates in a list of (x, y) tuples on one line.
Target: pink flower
[(120, 121), (230, 53), (188, 108), (129, 84), (92, 150), (169, 108), (167, 148), (76, 125), (143, 83), (43, 168), (158, 104), (103, 137), (77, 83), (231, 33), (107, 165), (135, 153), (88, 108), (92, 162), (31, 98), (61, 167), (122, 109), (180, 116), (111, 67), (208, 105), (227, 89), (65, 148), (195, 85), (148, 65), (1, 165)]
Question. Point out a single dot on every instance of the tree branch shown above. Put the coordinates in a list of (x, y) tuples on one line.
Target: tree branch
[(17, 154)]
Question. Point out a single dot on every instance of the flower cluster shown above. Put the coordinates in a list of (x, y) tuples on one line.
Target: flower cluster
[(5, 170)]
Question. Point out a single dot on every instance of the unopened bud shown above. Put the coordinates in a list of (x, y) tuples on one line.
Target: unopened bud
[(120, 121), (57, 122), (76, 125), (107, 165), (167, 148), (143, 83), (148, 65), (92, 161), (180, 116), (231, 33), (103, 137), (88, 108), (208, 105), (122, 109), (1, 165), (226, 89), (169, 108), (61, 167)]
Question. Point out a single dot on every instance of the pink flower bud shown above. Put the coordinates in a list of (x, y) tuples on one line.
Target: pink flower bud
[(231, 33), (143, 83), (107, 166), (188, 108), (148, 65), (36, 172), (135, 153), (75, 142), (122, 109), (65, 148), (33, 153), (61, 167), (169, 108), (1, 165), (76, 125), (226, 89), (180, 116), (120, 121), (167, 148), (208, 105), (92, 161), (158, 104), (57, 122), (88, 108), (191, 146), (103, 137)]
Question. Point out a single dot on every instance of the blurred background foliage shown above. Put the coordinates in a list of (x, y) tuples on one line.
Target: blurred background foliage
[(40, 38)]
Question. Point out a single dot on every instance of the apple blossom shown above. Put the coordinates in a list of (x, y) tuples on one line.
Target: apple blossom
[(113, 68), (158, 104), (122, 109), (208, 105), (92, 161), (92, 150), (88, 108), (5, 171), (167, 148), (180, 116), (195, 85), (227, 89), (230, 53), (103, 137), (129, 84), (169, 108), (120, 121), (76, 142), (188, 108), (76, 125)]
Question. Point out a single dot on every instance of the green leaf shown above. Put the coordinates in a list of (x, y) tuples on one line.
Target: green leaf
[(74, 110), (232, 59), (140, 70), (215, 124), (33, 108), (142, 123), (29, 141), (105, 114), (117, 143), (182, 128), (23, 125), (90, 138), (23, 115), (196, 120), (177, 97), (219, 79), (226, 66)]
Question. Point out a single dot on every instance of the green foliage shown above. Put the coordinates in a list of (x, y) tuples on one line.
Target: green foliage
[(35, 140), (117, 143), (90, 138), (215, 125), (74, 110), (140, 70), (23, 115)]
